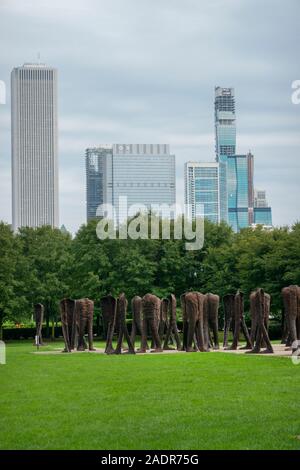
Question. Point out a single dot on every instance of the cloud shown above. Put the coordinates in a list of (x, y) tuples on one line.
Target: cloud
[(141, 71)]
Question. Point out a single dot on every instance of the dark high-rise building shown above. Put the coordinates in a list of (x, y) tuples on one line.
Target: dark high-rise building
[(98, 178)]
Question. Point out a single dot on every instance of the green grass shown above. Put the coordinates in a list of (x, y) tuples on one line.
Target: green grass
[(179, 401)]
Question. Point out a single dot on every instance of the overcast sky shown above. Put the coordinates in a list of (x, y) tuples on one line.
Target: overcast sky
[(144, 71)]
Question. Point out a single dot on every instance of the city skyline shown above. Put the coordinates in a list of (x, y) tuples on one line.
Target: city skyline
[(160, 93)]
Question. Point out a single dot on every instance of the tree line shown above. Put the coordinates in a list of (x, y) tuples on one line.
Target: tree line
[(45, 265)]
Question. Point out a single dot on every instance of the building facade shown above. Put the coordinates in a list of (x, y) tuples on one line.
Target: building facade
[(206, 191), (34, 146), (262, 211), (143, 173), (225, 125), (260, 198), (263, 216)]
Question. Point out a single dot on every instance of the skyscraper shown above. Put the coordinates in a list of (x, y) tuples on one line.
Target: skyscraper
[(98, 164), (240, 190), (239, 168), (206, 191), (225, 127), (34, 146), (144, 173)]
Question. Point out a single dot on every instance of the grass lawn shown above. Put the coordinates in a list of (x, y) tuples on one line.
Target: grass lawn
[(175, 401)]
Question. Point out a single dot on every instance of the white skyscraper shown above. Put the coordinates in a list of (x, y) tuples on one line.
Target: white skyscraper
[(34, 146)]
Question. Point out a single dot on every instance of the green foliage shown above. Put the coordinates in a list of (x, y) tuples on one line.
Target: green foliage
[(45, 265), (8, 261)]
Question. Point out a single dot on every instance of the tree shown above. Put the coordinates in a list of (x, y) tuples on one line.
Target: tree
[(47, 269), (8, 260)]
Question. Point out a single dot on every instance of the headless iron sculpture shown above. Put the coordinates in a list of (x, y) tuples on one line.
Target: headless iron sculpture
[(136, 309), (109, 310), (38, 318), (211, 308), (239, 322), (291, 302), (228, 303), (150, 322), (172, 330), (121, 324), (84, 315), (67, 313), (260, 305)]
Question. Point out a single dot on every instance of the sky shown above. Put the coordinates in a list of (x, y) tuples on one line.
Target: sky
[(144, 71)]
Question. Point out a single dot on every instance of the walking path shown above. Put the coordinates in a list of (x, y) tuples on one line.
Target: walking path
[(279, 350)]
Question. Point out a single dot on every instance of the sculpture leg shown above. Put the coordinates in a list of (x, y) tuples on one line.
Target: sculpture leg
[(155, 336), (246, 334), (257, 346), (176, 334), (266, 340), (200, 337), (292, 329), (167, 338), (40, 335), (253, 330), (128, 339), (172, 327), (118, 349), (226, 331), (133, 332), (81, 341), (190, 334), (215, 334), (210, 341), (66, 336), (90, 334), (285, 330), (110, 332), (74, 333), (236, 335), (298, 327), (206, 333), (144, 344), (111, 328), (185, 332)]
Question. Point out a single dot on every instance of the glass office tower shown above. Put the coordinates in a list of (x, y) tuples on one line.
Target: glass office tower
[(240, 191), (225, 126), (144, 173), (205, 191)]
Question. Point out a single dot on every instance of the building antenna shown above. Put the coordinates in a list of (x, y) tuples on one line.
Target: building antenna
[(39, 58)]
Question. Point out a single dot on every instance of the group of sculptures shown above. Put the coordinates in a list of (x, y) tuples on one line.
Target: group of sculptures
[(155, 318)]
